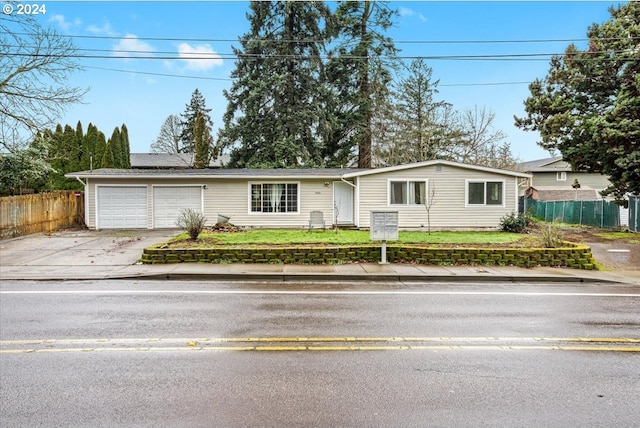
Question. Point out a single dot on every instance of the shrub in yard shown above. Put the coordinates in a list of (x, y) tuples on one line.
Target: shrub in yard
[(515, 222), (550, 236), (191, 222)]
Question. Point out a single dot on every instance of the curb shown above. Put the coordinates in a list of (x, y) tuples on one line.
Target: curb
[(279, 277)]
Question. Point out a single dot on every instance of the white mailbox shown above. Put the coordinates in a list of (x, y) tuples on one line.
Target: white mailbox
[(384, 225)]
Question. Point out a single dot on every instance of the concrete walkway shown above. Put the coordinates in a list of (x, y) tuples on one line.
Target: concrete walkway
[(85, 254)]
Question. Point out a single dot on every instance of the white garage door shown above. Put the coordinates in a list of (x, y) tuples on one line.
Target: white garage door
[(169, 201), (122, 207)]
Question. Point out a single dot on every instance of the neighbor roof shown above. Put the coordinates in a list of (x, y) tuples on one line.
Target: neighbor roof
[(563, 193), (171, 160), (546, 165)]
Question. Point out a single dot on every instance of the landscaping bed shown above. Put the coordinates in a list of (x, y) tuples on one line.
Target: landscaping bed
[(328, 247)]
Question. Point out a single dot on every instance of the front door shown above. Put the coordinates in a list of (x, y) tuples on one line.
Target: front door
[(342, 202)]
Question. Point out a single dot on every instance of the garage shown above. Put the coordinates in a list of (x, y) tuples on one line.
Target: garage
[(122, 207), (168, 201)]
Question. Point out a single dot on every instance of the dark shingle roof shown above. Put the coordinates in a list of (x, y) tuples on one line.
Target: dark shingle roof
[(217, 173)]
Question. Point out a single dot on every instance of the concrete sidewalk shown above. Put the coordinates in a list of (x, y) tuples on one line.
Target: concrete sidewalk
[(85, 255)]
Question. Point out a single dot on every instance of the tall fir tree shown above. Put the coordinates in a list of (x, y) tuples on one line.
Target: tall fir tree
[(196, 105), (275, 104), (358, 29), (126, 148), (202, 143)]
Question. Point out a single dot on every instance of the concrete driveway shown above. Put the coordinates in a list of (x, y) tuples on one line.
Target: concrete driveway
[(40, 255)]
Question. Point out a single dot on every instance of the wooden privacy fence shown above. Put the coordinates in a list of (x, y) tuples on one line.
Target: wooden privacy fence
[(42, 212)]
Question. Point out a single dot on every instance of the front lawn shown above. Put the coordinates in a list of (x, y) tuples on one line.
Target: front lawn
[(349, 237)]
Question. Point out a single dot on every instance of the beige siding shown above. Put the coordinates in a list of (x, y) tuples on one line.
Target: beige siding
[(230, 197), (449, 210), (595, 181)]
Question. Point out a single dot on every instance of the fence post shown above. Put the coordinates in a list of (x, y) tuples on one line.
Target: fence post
[(580, 212)]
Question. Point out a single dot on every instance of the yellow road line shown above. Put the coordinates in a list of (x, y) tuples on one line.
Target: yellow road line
[(325, 348), (348, 339)]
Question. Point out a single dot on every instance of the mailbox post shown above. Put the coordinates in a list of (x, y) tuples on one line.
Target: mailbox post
[(384, 227)]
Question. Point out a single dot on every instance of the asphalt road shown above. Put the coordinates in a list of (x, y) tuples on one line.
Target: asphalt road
[(181, 354)]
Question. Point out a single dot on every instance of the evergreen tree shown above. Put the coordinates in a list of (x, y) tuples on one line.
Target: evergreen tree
[(196, 105), (421, 133), (202, 143), (126, 149), (90, 149), (116, 148), (108, 159), (101, 149), (276, 103), (588, 106), (358, 27)]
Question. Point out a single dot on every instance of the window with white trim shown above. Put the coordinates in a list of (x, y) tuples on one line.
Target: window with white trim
[(561, 176), (485, 193), (274, 198), (407, 192)]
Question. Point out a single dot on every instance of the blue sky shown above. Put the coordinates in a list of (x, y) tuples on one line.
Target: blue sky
[(142, 92)]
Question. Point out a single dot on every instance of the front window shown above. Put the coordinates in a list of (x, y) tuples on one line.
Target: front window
[(274, 198), (407, 192), (485, 193)]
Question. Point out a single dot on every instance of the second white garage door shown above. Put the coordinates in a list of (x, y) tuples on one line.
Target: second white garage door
[(170, 200)]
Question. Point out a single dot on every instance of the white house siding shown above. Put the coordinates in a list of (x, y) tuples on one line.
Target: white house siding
[(449, 210), (231, 198)]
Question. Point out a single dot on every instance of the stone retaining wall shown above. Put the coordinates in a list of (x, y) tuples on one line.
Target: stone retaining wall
[(573, 256)]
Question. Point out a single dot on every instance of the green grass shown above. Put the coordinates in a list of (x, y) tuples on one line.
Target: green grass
[(631, 237), (351, 237)]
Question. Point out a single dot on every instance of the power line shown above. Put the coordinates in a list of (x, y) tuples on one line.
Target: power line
[(238, 39), (160, 74), (150, 55), (230, 80)]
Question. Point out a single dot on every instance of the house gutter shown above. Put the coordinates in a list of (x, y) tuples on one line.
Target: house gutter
[(348, 182)]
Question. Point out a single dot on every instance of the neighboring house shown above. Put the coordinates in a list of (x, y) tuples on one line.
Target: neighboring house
[(170, 161), (556, 193), (554, 176), (462, 196)]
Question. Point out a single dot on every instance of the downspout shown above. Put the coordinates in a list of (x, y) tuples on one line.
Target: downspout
[(81, 182)]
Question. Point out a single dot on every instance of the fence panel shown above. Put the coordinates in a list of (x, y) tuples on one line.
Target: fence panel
[(41, 212), (600, 213)]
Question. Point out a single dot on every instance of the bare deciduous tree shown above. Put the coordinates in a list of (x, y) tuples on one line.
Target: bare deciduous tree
[(481, 143), (169, 139), (429, 202), (34, 67)]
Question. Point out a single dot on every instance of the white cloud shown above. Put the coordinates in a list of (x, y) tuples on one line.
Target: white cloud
[(62, 22), (405, 11), (130, 46), (103, 30), (199, 58)]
